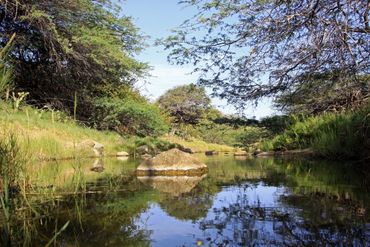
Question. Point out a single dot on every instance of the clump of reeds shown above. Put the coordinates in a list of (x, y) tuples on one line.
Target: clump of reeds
[(12, 162), (334, 135)]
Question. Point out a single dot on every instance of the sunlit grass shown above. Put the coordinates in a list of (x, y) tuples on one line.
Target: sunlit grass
[(51, 134), (198, 145), (333, 135)]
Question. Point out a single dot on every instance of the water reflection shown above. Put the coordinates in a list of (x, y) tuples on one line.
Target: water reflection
[(241, 202), (173, 185)]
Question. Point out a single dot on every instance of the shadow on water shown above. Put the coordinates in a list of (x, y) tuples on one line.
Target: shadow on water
[(240, 202)]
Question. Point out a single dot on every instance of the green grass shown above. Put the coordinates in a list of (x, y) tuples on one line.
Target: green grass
[(51, 134), (47, 134), (332, 135)]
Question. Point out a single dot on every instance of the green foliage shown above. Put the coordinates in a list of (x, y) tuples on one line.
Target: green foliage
[(344, 135), (252, 135), (325, 92), (185, 104), (212, 132), (11, 159), (249, 49), (155, 145), (69, 46), (277, 124), (130, 117)]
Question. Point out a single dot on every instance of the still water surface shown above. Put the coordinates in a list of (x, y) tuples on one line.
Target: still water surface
[(240, 202)]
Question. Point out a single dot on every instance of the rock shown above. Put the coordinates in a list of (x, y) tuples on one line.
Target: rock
[(98, 166), (211, 152), (122, 154), (122, 158), (306, 151), (241, 153), (144, 149), (96, 147), (265, 154), (172, 162), (257, 151), (146, 156), (186, 150)]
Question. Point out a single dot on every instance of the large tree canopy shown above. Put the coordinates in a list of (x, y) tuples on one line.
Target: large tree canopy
[(185, 104), (67, 46), (249, 49)]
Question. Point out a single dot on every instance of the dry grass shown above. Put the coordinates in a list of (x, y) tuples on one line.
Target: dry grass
[(198, 145)]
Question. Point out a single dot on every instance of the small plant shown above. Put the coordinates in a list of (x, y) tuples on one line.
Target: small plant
[(18, 99)]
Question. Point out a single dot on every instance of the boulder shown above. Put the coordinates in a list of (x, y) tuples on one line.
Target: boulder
[(146, 156), (306, 151), (241, 153), (122, 158), (266, 154), (122, 154), (96, 147), (211, 152), (186, 150), (144, 149), (98, 166), (172, 162), (257, 151)]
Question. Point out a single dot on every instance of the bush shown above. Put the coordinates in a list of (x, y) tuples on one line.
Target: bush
[(344, 135), (155, 145), (252, 135), (130, 117)]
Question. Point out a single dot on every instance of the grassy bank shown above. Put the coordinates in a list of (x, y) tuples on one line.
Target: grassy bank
[(47, 134), (198, 145), (336, 136), (50, 134)]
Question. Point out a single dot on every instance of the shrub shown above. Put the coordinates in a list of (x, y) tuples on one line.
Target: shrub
[(333, 135), (130, 117)]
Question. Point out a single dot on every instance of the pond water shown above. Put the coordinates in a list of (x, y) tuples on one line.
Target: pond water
[(239, 202)]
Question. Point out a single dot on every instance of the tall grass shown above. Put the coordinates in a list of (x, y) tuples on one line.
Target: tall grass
[(6, 73), (333, 135), (11, 170)]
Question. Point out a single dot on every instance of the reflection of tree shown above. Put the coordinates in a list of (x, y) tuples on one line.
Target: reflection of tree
[(241, 223), (189, 206), (102, 217)]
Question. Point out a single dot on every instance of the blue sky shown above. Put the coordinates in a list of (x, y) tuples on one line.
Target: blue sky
[(156, 18)]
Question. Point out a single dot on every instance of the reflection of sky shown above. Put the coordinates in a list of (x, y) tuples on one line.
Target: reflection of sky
[(168, 231)]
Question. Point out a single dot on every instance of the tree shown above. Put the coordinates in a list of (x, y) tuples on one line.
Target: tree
[(256, 48), (185, 104), (129, 117), (325, 93), (68, 46)]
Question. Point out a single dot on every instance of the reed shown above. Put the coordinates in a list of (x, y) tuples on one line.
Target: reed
[(332, 135)]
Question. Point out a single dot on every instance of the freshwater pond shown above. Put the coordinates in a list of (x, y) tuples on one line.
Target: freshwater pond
[(239, 202)]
